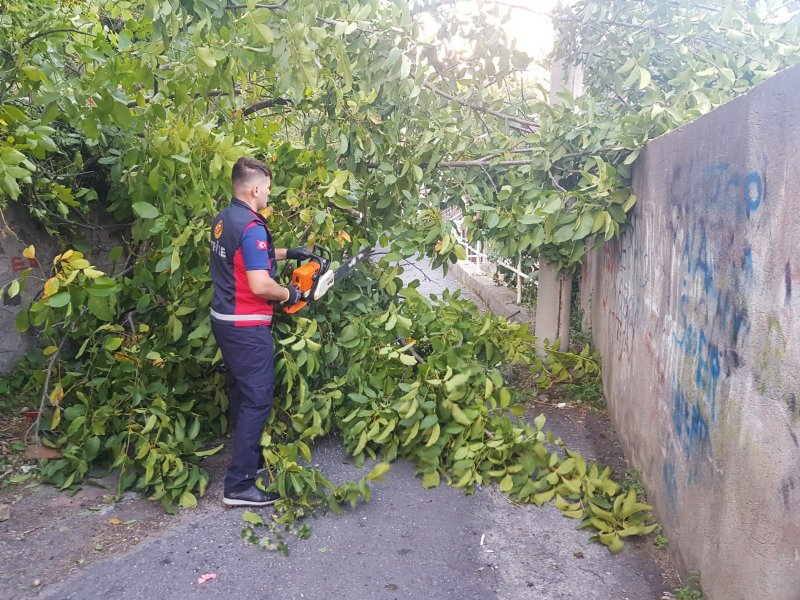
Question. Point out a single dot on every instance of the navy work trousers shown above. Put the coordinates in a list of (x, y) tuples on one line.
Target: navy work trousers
[(249, 360)]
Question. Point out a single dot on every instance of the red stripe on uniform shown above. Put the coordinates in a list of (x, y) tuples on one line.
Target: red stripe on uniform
[(245, 301)]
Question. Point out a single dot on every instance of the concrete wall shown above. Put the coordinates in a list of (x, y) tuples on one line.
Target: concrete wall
[(17, 231), (696, 311)]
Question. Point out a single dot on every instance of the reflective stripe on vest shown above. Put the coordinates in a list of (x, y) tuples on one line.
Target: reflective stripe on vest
[(223, 317)]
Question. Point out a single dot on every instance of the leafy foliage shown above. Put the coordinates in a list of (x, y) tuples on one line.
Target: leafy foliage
[(122, 120), (558, 188), (692, 589)]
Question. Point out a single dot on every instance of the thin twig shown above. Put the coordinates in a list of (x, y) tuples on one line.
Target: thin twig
[(50, 364), (7, 228), (131, 324), (555, 181), (489, 177), (407, 263), (305, 233)]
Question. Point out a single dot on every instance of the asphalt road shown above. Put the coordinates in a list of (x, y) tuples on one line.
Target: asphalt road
[(407, 543)]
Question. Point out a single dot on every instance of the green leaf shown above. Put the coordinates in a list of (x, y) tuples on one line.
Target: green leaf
[(60, 300), (187, 500), (21, 322), (630, 202), (564, 233), (378, 471), (112, 343), (539, 421), (252, 518), (149, 424), (566, 466), (100, 308), (266, 35), (431, 480), (644, 78), (207, 56), (543, 498), (50, 113), (407, 359), (145, 210), (210, 451), (12, 289)]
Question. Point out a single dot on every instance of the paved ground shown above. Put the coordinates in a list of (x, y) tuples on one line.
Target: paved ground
[(407, 543)]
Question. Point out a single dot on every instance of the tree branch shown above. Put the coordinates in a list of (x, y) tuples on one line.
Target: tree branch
[(712, 42), (481, 163), (261, 105), (41, 34), (267, 6), (524, 7), (350, 211), (478, 108), (486, 161), (282, 7), (434, 5), (211, 94)]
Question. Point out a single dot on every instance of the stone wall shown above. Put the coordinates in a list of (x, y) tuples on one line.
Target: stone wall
[(696, 312), (17, 231)]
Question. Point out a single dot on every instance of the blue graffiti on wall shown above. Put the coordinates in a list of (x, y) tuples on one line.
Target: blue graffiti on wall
[(691, 427), (753, 192), (711, 315), (704, 355), (670, 484)]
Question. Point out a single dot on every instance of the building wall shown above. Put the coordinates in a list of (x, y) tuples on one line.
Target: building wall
[(696, 312)]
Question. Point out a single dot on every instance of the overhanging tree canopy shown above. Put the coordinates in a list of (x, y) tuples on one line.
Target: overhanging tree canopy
[(138, 110)]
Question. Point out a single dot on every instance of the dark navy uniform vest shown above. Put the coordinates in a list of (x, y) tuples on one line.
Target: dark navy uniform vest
[(233, 301)]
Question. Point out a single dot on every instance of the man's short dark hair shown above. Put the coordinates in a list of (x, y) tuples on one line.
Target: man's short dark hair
[(245, 168)]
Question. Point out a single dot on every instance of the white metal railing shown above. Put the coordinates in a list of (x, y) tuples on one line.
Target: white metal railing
[(481, 257)]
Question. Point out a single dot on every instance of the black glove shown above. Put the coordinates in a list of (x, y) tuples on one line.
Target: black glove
[(299, 253), (294, 296)]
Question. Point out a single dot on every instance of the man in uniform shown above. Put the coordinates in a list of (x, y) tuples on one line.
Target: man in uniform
[(245, 292)]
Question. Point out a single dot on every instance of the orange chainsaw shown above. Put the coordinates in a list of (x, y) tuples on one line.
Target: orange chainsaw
[(314, 278)]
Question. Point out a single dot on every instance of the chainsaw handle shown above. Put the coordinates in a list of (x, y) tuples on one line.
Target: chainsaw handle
[(296, 307)]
